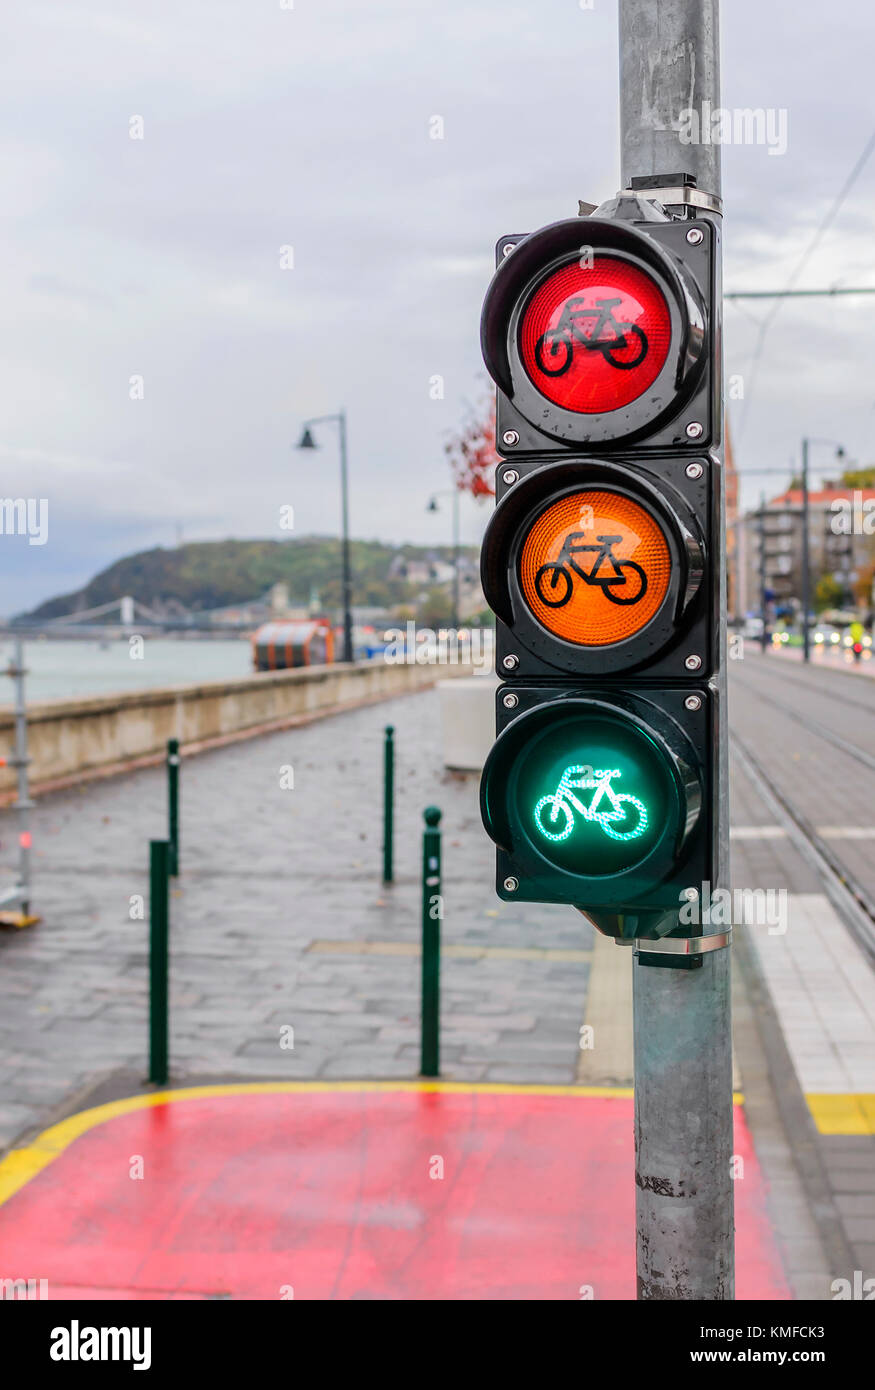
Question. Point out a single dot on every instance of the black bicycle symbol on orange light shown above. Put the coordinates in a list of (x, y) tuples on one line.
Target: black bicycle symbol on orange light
[(558, 343), (624, 574)]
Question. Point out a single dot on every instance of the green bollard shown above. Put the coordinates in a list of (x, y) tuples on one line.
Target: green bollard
[(388, 803), (173, 803), (159, 857), (432, 912)]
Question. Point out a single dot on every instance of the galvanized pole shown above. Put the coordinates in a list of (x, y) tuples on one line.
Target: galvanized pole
[(346, 566), (432, 911), (806, 558), (23, 803), (456, 617), (763, 603), (670, 63)]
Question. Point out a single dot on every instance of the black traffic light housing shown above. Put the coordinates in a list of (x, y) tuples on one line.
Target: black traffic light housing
[(630, 840), (681, 408), (644, 900), (679, 492)]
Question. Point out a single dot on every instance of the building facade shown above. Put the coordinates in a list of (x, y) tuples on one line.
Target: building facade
[(841, 539)]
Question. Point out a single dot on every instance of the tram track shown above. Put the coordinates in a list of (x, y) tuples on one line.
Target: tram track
[(814, 726), (847, 894)]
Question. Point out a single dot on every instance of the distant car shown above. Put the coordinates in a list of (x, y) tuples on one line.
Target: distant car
[(825, 635), (753, 627)]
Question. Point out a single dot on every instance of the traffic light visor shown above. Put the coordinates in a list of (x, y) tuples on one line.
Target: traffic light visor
[(595, 334), (595, 567)]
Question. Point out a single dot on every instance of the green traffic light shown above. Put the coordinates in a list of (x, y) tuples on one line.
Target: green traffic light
[(592, 794)]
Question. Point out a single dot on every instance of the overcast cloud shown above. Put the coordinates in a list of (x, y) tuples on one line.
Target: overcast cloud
[(266, 127)]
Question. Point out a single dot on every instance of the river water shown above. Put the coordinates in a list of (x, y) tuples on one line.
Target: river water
[(60, 670)]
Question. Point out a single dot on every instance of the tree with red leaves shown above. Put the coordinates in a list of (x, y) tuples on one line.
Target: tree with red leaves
[(472, 453)]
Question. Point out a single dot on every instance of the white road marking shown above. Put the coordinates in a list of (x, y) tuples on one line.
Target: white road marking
[(757, 832)]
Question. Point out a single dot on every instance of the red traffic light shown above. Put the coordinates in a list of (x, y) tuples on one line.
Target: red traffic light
[(595, 337), (594, 331)]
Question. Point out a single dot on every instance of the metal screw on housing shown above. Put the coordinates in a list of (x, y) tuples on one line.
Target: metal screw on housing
[(693, 702), (510, 477), (692, 663), (510, 663), (695, 236), (507, 248), (694, 430), (511, 885), (694, 470), (510, 701), (510, 437)]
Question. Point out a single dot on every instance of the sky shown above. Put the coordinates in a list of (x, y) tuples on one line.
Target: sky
[(310, 126)]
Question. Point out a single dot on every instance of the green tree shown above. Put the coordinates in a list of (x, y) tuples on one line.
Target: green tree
[(827, 593), (435, 609), (859, 477)]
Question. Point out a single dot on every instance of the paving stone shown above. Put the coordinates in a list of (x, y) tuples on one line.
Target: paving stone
[(856, 1203), (843, 1180), (859, 1229)]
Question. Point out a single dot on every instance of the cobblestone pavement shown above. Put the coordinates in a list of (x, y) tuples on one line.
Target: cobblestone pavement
[(813, 733), (270, 880)]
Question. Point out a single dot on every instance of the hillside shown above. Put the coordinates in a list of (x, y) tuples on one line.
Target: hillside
[(212, 574)]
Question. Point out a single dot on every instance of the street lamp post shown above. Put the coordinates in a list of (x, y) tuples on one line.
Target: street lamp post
[(763, 607), (433, 507), (308, 442), (806, 558)]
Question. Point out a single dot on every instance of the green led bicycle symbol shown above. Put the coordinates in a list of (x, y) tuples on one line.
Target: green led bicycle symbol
[(609, 809)]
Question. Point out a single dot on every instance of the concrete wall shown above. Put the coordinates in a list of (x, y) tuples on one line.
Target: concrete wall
[(70, 740)]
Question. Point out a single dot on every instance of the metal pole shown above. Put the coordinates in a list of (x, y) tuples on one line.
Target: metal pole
[(670, 64), (347, 571), (173, 803), (23, 802), (763, 609), (456, 558), (806, 558), (159, 854), (432, 911), (388, 802)]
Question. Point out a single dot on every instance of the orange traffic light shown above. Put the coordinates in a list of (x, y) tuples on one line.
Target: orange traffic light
[(595, 567)]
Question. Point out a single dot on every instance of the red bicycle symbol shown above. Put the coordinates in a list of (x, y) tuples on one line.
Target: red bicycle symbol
[(606, 336)]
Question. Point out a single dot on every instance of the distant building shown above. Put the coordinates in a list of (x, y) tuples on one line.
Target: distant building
[(838, 544), (428, 571), (733, 538)]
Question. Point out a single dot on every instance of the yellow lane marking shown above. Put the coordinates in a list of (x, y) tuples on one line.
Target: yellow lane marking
[(20, 1165), (412, 948), (843, 1114), (606, 1054)]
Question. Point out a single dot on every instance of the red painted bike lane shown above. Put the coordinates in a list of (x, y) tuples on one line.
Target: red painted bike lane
[(398, 1191)]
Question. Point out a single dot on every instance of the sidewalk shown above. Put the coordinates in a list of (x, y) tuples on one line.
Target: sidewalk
[(279, 920)]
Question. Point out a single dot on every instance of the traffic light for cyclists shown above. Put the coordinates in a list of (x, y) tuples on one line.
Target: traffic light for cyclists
[(601, 564), (595, 331)]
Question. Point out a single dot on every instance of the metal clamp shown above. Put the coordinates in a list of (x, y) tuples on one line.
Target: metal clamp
[(684, 946), (677, 195)]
